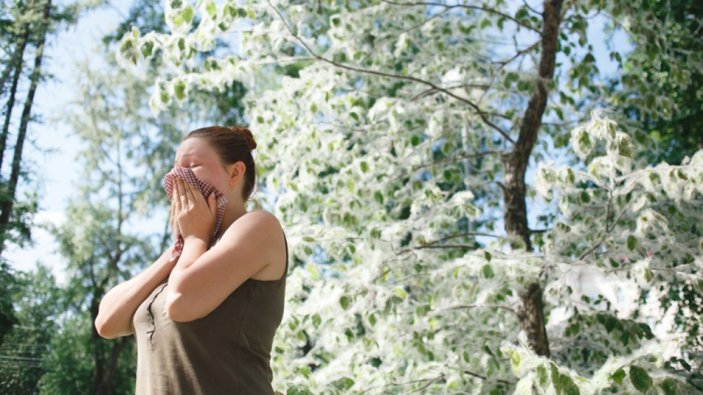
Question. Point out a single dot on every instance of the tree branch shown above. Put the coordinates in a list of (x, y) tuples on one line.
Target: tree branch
[(468, 155), (519, 53), (468, 7), (314, 54), (490, 306)]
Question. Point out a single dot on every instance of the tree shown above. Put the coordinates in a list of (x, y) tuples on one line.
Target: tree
[(22, 353), (397, 139), (665, 78), (26, 24)]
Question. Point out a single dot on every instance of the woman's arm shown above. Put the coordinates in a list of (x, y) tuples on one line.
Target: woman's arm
[(119, 304), (203, 278)]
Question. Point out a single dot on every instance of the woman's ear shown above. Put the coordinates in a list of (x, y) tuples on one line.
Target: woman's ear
[(236, 171)]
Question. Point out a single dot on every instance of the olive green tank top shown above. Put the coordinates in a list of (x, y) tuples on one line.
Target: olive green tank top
[(225, 352)]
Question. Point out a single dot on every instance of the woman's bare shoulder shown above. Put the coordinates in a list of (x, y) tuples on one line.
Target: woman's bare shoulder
[(257, 220), (261, 215)]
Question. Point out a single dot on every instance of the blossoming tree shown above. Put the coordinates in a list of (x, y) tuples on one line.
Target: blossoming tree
[(395, 143)]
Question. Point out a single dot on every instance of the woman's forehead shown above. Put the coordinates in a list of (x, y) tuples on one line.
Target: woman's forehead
[(193, 147)]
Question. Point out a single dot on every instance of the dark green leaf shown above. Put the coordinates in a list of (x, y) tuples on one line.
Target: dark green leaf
[(631, 242), (669, 387), (640, 379), (618, 376)]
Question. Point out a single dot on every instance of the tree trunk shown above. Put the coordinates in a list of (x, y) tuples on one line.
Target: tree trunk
[(531, 313), (7, 204), (14, 65), (21, 42)]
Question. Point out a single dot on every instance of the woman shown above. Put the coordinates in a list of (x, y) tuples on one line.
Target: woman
[(205, 313)]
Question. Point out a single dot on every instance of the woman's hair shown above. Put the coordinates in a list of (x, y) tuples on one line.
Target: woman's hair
[(233, 144)]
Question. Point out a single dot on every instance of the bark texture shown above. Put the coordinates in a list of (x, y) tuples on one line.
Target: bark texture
[(14, 68), (9, 193), (531, 313)]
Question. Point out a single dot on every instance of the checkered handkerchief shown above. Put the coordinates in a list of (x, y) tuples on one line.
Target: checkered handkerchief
[(187, 175)]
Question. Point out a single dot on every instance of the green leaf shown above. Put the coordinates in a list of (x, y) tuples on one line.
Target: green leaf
[(364, 166), (309, 239), (556, 382), (211, 9), (585, 197), (179, 89), (568, 385), (400, 292), (631, 242), (343, 384), (147, 49), (584, 142), (542, 376), (297, 390), (625, 148), (618, 376), (487, 271), (515, 360), (316, 320), (640, 379), (344, 301), (185, 16), (669, 387)]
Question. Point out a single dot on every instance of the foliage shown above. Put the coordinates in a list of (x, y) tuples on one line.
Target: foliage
[(23, 350), (383, 140), (662, 86)]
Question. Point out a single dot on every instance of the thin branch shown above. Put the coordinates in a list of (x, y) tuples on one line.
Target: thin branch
[(429, 382), (468, 7), (478, 376), (454, 236), (431, 90), (468, 155), (529, 7), (446, 246), (490, 306), (519, 53), (471, 104)]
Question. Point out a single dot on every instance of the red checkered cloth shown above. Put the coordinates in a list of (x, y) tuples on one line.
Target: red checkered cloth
[(187, 175)]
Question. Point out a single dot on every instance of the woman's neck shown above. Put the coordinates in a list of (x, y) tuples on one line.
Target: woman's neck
[(233, 211)]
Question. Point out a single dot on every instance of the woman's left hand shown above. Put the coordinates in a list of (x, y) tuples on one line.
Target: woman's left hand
[(195, 216)]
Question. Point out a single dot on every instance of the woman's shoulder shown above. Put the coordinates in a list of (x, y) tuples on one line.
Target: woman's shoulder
[(264, 217), (258, 220)]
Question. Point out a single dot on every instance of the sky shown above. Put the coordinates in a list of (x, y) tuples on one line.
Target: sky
[(55, 171)]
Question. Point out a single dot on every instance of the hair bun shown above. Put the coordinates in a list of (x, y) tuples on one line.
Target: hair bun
[(246, 133)]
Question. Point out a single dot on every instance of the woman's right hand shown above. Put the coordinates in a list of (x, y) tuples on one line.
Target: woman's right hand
[(173, 223)]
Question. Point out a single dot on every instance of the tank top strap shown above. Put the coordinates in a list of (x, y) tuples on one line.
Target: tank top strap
[(285, 271)]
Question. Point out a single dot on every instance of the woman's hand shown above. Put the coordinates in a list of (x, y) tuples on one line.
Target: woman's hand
[(194, 216)]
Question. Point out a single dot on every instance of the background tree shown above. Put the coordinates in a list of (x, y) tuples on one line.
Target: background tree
[(39, 302), (658, 88)]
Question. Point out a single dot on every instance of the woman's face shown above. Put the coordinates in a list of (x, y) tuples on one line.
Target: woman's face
[(205, 163)]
